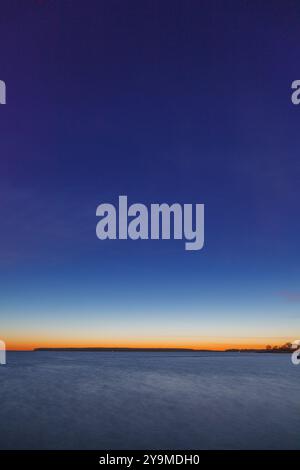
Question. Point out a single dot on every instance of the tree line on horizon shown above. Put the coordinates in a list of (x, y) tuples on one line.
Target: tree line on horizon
[(285, 347)]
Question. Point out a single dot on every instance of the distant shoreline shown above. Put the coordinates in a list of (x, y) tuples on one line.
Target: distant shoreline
[(117, 349)]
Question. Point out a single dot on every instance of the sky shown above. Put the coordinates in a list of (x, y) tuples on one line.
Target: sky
[(172, 101)]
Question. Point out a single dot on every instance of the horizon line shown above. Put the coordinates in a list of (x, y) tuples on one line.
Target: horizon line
[(145, 349)]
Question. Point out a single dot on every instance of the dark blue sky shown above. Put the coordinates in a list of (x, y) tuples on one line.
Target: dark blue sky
[(166, 102)]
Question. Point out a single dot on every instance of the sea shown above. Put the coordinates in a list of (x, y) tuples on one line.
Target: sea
[(149, 400)]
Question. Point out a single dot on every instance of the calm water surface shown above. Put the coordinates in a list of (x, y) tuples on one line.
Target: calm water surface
[(86, 400)]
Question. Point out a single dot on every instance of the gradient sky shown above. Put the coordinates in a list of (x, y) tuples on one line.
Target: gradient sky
[(165, 102)]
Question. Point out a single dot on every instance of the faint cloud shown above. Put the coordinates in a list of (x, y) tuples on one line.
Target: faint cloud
[(290, 296)]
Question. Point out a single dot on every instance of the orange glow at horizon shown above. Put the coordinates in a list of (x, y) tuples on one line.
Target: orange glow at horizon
[(220, 345)]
